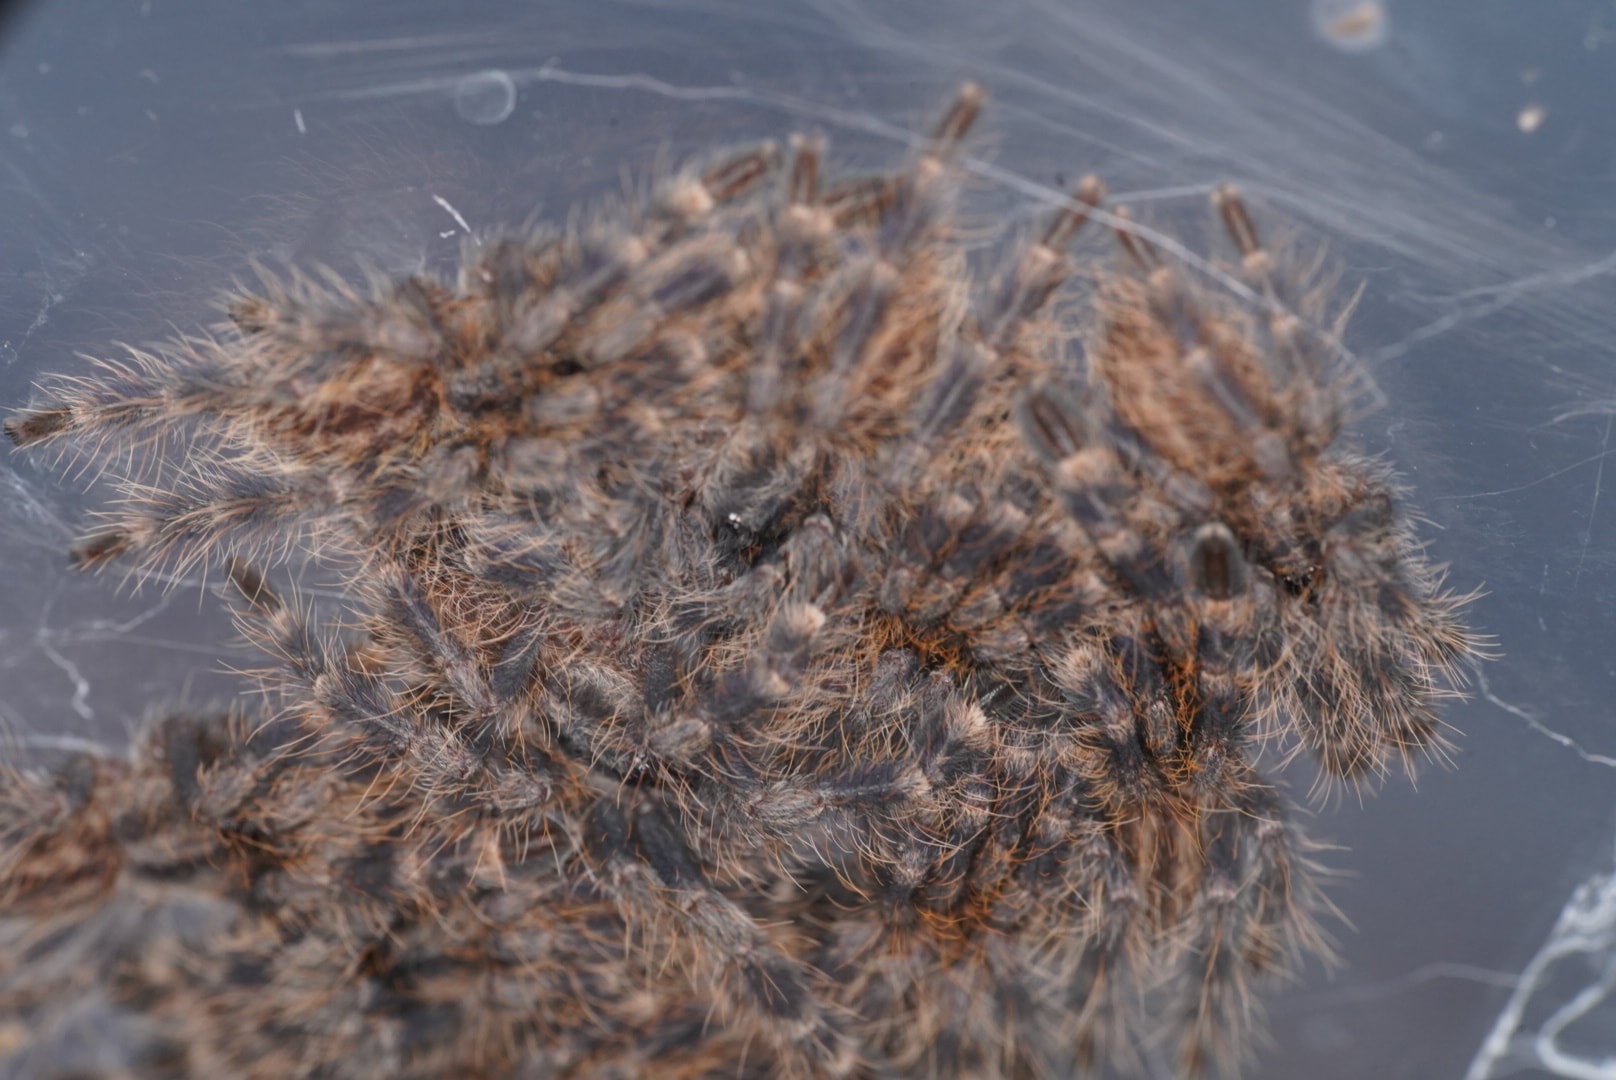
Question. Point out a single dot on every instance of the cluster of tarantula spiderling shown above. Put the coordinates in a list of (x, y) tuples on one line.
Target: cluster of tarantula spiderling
[(767, 650)]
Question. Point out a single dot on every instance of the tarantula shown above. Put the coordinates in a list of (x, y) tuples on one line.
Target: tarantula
[(766, 649)]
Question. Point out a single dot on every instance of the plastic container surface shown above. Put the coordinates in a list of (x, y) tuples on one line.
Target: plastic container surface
[(1457, 158)]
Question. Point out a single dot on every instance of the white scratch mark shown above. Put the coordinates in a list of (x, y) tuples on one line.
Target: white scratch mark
[(1540, 727), (1585, 932), (1575, 465), (452, 212), (1494, 298), (74, 744), (1593, 506), (81, 686), (1437, 970), (297, 118)]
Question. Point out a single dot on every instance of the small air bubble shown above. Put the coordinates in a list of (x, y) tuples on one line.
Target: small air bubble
[(1531, 118), (486, 98), (1350, 25)]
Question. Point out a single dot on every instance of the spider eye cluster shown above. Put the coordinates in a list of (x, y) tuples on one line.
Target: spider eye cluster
[(1300, 582), (762, 649)]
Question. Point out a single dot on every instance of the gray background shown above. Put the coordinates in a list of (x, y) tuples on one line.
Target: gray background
[(149, 150)]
